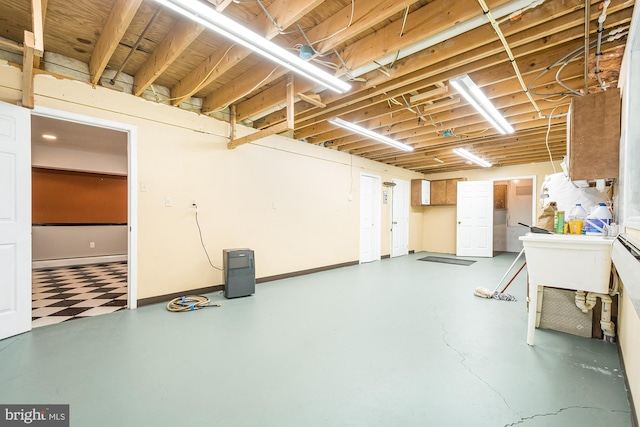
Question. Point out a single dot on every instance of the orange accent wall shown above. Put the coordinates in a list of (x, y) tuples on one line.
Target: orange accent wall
[(67, 197)]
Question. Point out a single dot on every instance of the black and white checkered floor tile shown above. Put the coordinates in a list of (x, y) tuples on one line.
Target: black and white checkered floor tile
[(68, 293)]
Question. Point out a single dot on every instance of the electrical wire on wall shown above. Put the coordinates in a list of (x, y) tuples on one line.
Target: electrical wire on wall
[(193, 302), (202, 241), (546, 139)]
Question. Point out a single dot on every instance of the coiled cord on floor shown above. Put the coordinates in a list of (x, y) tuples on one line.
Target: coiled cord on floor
[(189, 303)]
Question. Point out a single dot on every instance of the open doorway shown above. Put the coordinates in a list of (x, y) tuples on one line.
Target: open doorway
[(513, 202), (80, 214)]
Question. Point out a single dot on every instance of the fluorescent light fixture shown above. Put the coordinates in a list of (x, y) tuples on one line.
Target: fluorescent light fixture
[(370, 134), (467, 155), (435, 159), (467, 88), (230, 29), (47, 136)]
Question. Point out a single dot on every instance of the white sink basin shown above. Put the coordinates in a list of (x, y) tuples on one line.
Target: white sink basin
[(569, 261), (565, 261)]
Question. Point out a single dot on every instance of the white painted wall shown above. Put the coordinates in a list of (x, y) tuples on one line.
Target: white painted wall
[(77, 160), (627, 202), (65, 241), (285, 199)]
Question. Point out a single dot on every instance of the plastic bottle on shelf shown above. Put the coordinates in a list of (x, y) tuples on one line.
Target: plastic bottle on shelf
[(576, 218), (558, 222), (598, 220)]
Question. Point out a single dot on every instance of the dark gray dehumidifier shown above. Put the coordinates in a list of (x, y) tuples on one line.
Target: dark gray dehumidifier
[(239, 272)]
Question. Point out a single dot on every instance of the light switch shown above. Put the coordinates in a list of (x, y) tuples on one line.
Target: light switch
[(168, 201)]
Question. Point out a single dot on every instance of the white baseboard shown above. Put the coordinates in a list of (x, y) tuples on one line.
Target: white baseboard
[(68, 262)]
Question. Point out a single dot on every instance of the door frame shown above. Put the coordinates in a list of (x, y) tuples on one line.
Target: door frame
[(377, 216), (534, 193), (132, 182)]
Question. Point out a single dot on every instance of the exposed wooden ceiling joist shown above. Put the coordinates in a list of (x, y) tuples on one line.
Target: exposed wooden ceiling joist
[(192, 61)]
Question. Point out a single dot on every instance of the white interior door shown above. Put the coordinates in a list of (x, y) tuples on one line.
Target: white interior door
[(400, 218), (474, 235), (370, 207), (15, 220)]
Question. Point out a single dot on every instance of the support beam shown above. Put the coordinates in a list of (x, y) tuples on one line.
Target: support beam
[(38, 9), (429, 94), (287, 125), (365, 16), (11, 45), (279, 128), (546, 25), (27, 69), (290, 102), (37, 17), (121, 15), (285, 13), (179, 38), (232, 122), (312, 98)]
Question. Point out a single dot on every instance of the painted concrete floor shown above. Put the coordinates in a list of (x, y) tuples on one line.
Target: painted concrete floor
[(398, 342)]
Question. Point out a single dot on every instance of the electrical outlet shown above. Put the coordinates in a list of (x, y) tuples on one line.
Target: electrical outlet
[(193, 203), (92, 245)]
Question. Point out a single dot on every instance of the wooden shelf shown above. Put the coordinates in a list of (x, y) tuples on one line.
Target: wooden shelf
[(444, 192)]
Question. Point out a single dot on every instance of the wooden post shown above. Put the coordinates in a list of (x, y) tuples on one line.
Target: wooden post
[(290, 103), (275, 129), (232, 122), (27, 70), (38, 8)]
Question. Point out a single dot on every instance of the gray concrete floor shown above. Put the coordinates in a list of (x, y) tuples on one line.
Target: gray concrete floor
[(398, 342)]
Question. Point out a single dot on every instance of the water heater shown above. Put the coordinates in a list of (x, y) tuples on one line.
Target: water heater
[(239, 272)]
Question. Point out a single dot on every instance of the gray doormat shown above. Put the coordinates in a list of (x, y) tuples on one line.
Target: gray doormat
[(444, 260)]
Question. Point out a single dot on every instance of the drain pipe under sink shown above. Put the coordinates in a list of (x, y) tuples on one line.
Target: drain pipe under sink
[(586, 301)]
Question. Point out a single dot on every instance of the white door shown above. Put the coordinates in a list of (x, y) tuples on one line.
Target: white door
[(15, 220), (474, 235), (370, 207), (400, 218)]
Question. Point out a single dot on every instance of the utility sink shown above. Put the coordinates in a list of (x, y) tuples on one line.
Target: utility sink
[(565, 261)]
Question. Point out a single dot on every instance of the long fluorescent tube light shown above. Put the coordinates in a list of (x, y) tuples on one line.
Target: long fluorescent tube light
[(216, 21), (370, 134), (467, 88), (467, 155)]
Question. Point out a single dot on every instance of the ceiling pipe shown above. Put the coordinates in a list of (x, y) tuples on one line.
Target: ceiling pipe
[(135, 46), (587, 20), (456, 30)]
